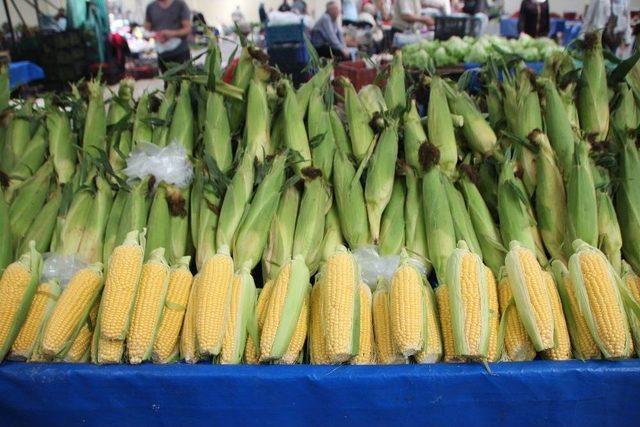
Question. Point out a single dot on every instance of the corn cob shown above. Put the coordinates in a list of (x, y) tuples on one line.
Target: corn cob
[(341, 305), (91, 245), (212, 302), (581, 199), (395, 92), (42, 228), (477, 132), (95, 125), (392, 228), (33, 156), (495, 347), (207, 224), (609, 233), (241, 78), (517, 345), (469, 303), (350, 202), (5, 92), (161, 132), (319, 79), (440, 126), (432, 349), (242, 305), (135, 210), (593, 97), (290, 289), (188, 339), (582, 343), (446, 327), (40, 310), (358, 120), (299, 337), (295, 134), (332, 234), (142, 131), (317, 340), (158, 228), (280, 241), (372, 99), (119, 114), (529, 118), (179, 202), (414, 136), (494, 105), (18, 135), (80, 349), (407, 309), (339, 133), (562, 348), (487, 183), (323, 146), (414, 221), (627, 203), (631, 282), (257, 133), (216, 137), (558, 127), (309, 230), (252, 348), (181, 128), (111, 229), (625, 116), (462, 224), (551, 198), (367, 351), (596, 288), (30, 198), (6, 248), (17, 286), (380, 178), (253, 231), (72, 224), (71, 311), (386, 351)]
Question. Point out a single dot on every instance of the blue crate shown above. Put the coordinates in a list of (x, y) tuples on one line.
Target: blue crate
[(287, 54), (282, 34)]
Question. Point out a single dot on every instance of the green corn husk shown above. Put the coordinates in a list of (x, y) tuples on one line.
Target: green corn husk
[(477, 132), (530, 118), (120, 150), (395, 93), (158, 224), (628, 203), (161, 132), (339, 133), (120, 107), (241, 78), (332, 234), (41, 230), (95, 125), (242, 314), (609, 234), (279, 247), (309, 231), (195, 202), (593, 96), (487, 183), (438, 221), (33, 156), (319, 128), (28, 201), (494, 105), (558, 126), (5, 90), (414, 220), (493, 251), (32, 262), (6, 248), (392, 228), (295, 134), (71, 228), (135, 210), (319, 80), (414, 137), (630, 280), (568, 99), (582, 212), (462, 224), (253, 232), (111, 229), (550, 198), (207, 224), (625, 116), (61, 144), (91, 246), (257, 132), (235, 202), (142, 130), (372, 99), (349, 197), (358, 120), (216, 138), (440, 126), (179, 223), (17, 137), (182, 124), (380, 178)]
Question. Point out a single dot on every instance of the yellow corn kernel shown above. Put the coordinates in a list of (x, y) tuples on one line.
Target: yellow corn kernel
[(340, 306), (71, 311), (30, 333), (165, 347), (188, 345), (150, 299), (631, 282), (386, 350), (299, 336), (212, 303), (317, 344), (251, 355), (517, 345), (432, 350), (406, 308), (596, 287), (110, 351), (366, 353), (530, 295), (562, 348), (81, 347), (494, 317), (444, 315), (241, 312), (120, 288)]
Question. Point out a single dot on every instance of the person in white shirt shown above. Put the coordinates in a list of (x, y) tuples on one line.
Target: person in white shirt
[(407, 14)]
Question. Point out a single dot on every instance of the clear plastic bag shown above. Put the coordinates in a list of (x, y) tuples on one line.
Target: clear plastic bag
[(61, 267), (168, 164), (372, 265)]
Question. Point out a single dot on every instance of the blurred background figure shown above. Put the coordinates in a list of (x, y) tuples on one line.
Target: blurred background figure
[(437, 7), (61, 19), (534, 18), (476, 8), (170, 21), (284, 7), (618, 35), (299, 7), (407, 14), (350, 10), (327, 36)]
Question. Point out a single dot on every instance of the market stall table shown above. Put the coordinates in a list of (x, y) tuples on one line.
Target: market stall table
[(23, 72), (533, 393)]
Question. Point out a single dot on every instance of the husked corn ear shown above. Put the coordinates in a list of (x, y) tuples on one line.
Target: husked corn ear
[(242, 306), (212, 302), (71, 312), (432, 350), (631, 282), (531, 296), (148, 308), (495, 347), (584, 347), (407, 309), (30, 333), (299, 337), (188, 343), (444, 317), (81, 347), (317, 340), (469, 303), (251, 352), (562, 348), (165, 346), (110, 351), (17, 286), (120, 288), (367, 352), (386, 351), (517, 345), (596, 288), (286, 302)]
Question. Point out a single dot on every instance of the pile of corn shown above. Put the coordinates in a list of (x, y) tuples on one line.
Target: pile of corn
[(515, 219)]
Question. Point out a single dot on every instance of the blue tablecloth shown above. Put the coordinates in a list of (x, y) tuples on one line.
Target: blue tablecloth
[(23, 72), (509, 26), (570, 393)]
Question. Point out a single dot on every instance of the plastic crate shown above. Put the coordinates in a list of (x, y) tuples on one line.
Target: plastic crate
[(357, 72), (449, 26), (286, 54), (282, 34)]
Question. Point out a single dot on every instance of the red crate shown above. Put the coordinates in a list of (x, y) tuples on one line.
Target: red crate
[(357, 72)]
